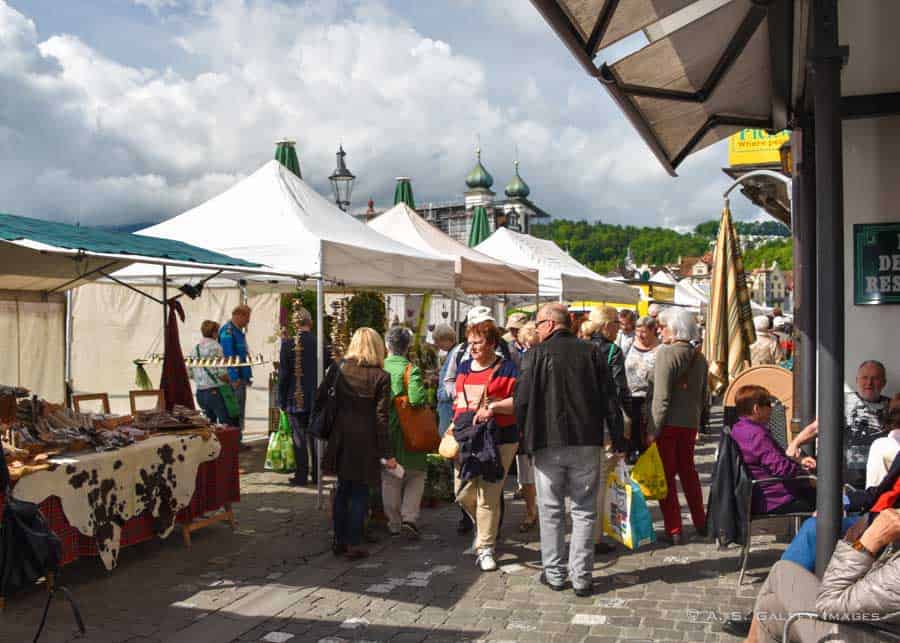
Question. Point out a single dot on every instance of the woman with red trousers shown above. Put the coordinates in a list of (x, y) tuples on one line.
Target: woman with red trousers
[(679, 391)]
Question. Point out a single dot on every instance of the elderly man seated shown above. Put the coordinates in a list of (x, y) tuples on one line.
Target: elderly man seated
[(864, 412)]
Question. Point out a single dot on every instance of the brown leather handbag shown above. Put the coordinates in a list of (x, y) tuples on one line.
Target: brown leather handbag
[(418, 423)]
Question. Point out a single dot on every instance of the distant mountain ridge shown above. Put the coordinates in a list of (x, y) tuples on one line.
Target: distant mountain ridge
[(602, 246)]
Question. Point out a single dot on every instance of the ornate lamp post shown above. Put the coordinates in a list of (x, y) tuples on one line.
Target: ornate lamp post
[(342, 181)]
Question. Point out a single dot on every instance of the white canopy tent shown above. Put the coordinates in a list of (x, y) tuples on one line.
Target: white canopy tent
[(560, 276), (696, 296), (476, 273), (275, 218)]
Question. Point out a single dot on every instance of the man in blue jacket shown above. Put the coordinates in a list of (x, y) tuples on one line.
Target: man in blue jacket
[(233, 339)]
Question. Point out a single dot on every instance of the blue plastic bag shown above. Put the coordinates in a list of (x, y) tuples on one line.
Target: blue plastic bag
[(626, 517)]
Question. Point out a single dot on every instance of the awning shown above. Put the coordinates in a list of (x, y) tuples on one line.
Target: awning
[(47, 255), (706, 73)]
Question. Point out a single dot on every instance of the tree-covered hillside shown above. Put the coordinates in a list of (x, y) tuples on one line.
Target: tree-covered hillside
[(602, 246)]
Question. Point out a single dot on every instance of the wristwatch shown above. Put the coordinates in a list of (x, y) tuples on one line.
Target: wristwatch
[(858, 546)]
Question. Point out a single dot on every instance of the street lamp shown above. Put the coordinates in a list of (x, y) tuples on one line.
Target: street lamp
[(342, 181)]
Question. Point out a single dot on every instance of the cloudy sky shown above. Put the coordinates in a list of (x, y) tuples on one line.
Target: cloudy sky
[(123, 111)]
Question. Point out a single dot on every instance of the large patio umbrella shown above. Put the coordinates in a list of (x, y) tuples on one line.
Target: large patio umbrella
[(481, 228), (729, 329), (403, 192)]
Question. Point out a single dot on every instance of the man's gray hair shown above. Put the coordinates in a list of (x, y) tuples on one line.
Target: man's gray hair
[(647, 321), (681, 323), (302, 317), (398, 339), (876, 364), (557, 313), (442, 332), (762, 323)]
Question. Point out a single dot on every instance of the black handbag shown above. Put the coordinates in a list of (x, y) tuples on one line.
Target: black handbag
[(324, 413), (29, 550)]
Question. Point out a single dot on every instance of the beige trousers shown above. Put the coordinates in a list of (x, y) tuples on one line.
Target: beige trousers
[(607, 463), (402, 497), (481, 499)]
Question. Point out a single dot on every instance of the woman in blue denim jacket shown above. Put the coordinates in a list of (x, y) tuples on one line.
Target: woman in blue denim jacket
[(444, 338)]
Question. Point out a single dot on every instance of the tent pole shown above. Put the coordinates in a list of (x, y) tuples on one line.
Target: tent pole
[(69, 388), (165, 298), (320, 375)]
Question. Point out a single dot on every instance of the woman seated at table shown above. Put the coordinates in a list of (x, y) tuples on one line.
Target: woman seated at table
[(766, 459)]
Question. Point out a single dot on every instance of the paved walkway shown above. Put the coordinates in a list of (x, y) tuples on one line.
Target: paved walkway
[(275, 579)]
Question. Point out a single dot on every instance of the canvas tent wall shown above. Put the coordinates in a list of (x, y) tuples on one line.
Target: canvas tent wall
[(560, 276), (476, 273)]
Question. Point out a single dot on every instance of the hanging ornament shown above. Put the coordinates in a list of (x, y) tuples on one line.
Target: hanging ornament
[(297, 305)]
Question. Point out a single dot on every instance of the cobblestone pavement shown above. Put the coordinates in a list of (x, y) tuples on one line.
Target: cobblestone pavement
[(274, 579)]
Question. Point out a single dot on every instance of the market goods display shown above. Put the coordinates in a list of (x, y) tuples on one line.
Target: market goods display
[(179, 418), (208, 362), (41, 426)]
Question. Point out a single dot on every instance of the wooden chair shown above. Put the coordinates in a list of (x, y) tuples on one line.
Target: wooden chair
[(154, 393), (89, 397), (780, 383)]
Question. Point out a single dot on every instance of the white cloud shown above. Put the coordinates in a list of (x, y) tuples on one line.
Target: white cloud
[(156, 6), (83, 135)]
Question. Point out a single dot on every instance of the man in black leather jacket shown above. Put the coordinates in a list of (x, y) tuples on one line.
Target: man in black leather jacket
[(563, 399)]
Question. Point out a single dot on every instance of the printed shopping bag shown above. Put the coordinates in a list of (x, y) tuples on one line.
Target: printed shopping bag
[(626, 518), (648, 472), (280, 453)]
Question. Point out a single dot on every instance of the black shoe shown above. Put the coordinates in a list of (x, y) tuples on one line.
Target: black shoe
[(338, 549), (602, 549), (583, 592), (739, 627), (555, 588), (704, 532), (295, 482), (464, 526), (674, 539)]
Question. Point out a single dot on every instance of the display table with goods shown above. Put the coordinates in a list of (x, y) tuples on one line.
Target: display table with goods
[(105, 482)]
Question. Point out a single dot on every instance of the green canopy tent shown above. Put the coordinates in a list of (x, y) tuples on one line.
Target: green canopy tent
[(481, 227), (403, 192), (287, 156)]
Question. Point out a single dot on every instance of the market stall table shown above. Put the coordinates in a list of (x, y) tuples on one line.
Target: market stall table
[(155, 492)]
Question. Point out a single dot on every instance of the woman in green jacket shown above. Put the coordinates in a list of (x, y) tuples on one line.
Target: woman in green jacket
[(402, 496)]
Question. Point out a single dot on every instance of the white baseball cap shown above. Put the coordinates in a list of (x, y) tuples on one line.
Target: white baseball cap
[(479, 314)]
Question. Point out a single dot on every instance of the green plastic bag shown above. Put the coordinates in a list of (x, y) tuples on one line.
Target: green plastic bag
[(280, 454), (650, 475)]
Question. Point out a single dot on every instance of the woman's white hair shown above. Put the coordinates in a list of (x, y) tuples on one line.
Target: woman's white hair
[(681, 323)]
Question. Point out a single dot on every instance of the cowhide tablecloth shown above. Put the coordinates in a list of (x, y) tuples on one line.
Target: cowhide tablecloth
[(100, 492)]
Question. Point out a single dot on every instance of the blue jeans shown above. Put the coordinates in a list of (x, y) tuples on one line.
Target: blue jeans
[(572, 472), (213, 405), (802, 549), (445, 416), (351, 504)]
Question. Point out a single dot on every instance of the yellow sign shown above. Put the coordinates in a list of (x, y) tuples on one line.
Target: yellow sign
[(756, 147)]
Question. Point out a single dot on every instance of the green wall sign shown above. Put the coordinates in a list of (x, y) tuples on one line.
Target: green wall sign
[(876, 263)]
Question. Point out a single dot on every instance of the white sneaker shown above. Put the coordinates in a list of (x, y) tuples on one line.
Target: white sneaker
[(485, 560)]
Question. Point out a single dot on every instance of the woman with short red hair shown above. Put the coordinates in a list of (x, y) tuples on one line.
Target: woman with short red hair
[(484, 390)]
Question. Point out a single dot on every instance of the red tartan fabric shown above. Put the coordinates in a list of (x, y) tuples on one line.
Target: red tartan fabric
[(218, 482)]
